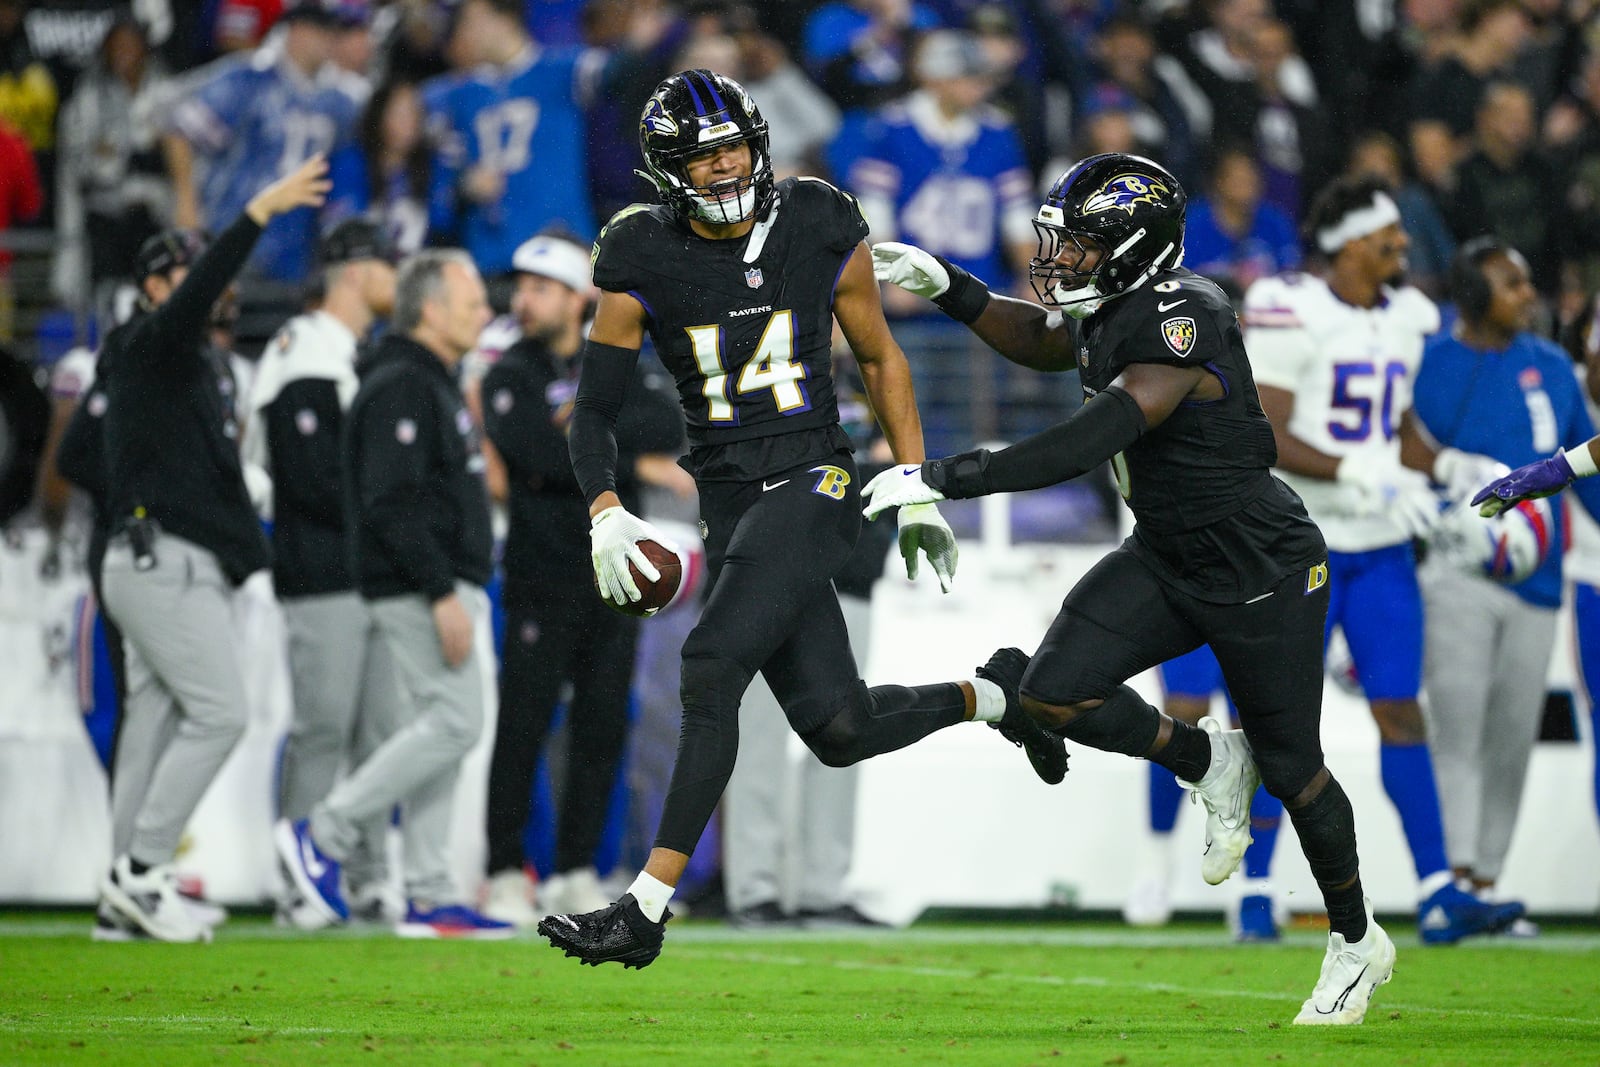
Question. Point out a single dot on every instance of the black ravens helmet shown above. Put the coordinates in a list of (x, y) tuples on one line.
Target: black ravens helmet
[(689, 113), (166, 250), (1128, 209)]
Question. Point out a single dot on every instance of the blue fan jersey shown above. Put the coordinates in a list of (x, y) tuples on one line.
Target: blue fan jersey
[(525, 121), (253, 119), (1517, 406), (958, 194)]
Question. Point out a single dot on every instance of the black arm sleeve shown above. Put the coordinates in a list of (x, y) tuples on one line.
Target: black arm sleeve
[(602, 387), (967, 296), (184, 315), (1097, 431)]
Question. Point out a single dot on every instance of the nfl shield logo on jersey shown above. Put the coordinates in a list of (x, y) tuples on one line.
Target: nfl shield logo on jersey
[(752, 277), (1179, 333)]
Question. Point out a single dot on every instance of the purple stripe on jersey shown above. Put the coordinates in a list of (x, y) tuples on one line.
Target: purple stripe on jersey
[(648, 310), (839, 275), (1227, 390)]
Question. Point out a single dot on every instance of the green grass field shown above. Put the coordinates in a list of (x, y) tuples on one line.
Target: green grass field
[(987, 993)]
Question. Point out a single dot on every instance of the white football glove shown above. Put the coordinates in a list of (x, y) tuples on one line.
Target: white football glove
[(1463, 473), (1386, 487), (923, 529), (910, 268), (614, 537), (898, 487)]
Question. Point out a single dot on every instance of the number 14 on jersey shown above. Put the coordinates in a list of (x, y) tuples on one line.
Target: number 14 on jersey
[(773, 367)]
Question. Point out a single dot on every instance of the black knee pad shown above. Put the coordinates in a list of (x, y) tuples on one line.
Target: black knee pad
[(1326, 827), (839, 740), (1125, 723), (1285, 773)]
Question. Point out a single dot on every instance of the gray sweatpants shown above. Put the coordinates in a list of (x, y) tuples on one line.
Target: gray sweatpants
[(417, 765), (185, 707), (346, 701), (789, 830), (1487, 654)]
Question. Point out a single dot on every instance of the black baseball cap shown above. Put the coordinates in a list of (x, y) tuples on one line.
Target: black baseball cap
[(354, 239), (166, 250), (316, 12)]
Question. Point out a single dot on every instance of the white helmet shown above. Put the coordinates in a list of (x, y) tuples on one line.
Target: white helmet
[(1507, 548)]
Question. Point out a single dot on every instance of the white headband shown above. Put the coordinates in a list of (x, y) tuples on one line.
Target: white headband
[(1363, 222)]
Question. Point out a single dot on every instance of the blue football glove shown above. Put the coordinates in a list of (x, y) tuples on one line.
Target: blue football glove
[(1545, 477), (923, 529)]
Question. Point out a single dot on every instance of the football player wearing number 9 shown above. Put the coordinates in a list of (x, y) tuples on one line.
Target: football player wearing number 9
[(738, 279), (1336, 357), (1222, 552)]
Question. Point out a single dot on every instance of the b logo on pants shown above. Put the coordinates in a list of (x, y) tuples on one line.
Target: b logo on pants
[(833, 482), (1316, 578)]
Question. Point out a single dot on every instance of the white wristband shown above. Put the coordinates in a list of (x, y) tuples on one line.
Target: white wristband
[(1581, 462)]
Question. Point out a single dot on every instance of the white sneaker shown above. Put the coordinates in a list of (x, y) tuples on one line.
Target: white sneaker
[(109, 925), (1149, 903), (577, 892), (377, 903), (508, 897), (203, 911), (1350, 975), (151, 902), (1225, 790)]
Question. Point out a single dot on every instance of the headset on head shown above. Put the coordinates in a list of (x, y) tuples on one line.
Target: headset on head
[(1469, 287)]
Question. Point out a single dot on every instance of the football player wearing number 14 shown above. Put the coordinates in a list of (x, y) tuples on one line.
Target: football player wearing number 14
[(1336, 357), (1222, 552), (738, 279)]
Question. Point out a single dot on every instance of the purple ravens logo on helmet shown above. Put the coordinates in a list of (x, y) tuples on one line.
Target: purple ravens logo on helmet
[(657, 118), (1124, 192)]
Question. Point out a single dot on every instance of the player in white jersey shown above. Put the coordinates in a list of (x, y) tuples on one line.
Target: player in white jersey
[(1334, 357)]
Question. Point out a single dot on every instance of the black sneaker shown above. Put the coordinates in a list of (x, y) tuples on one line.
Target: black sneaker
[(840, 917), (619, 933), (1046, 751), (766, 915)]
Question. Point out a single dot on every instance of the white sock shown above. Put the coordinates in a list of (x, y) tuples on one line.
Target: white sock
[(652, 895), (1433, 883), (991, 702)]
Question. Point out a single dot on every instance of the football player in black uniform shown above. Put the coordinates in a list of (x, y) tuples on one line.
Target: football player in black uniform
[(1222, 554), (738, 279)]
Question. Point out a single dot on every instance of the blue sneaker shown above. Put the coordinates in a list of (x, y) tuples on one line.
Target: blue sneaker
[(1452, 914), (313, 873), (455, 921), (1254, 920)]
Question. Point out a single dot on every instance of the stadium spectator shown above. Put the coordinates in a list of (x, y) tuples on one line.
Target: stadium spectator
[(1189, 682), (419, 516), (944, 168), (385, 175), (112, 190), (1222, 58), (772, 466), (341, 672), (1375, 154), (1292, 139), (860, 50), (1221, 554), (1170, 114), (802, 117), (558, 633), (273, 108), (21, 199), (789, 826), (241, 25), (1233, 233), (1492, 388), (513, 156), (183, 538), (28, 94), (1444, 98), (1505, 186), (1571, 138), (1349, 444)]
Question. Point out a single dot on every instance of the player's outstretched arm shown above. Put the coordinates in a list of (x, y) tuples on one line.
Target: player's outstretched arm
[(1542, 478), (1023, 332), (1141, 398)]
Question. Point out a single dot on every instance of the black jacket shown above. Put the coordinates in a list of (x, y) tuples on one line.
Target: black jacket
[(415, 501), (527, 402), (171, 441)]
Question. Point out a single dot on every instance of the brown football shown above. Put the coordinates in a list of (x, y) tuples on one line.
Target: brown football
[(657, 594)]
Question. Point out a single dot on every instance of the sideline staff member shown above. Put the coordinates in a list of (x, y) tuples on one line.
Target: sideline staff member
[(184, 536)]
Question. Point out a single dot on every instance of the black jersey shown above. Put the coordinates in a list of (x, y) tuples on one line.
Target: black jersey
[(1211, 517), (748, 343)]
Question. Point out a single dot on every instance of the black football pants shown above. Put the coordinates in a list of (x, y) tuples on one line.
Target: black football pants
[(551, 638), (1121, 619), (772, 548)]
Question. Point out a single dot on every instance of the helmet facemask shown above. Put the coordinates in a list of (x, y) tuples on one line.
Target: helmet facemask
[(724, 202), (1057, 273)]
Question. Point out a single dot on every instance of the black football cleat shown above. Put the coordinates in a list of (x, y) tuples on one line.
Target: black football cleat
[(617, 933), (1046, 751)]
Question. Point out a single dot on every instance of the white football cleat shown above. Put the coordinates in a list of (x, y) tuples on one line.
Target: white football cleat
[(508, 897), (151, 902), (1226, 791), (1351, 973), (574, 892), (1149, 903)]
